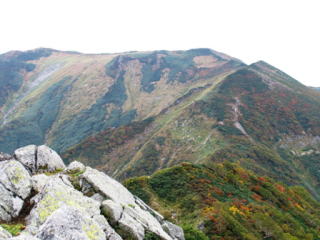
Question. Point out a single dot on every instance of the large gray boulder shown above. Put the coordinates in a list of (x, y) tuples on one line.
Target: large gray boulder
[(122, 209), (107, 186), (48, 160), (27, 156), (39, 181), (15, 178), (10, 205), (75, 167), (105, 226), (15, 186), (112, 210), (53, 196), (39, 159), (70, 223), (173, 230)]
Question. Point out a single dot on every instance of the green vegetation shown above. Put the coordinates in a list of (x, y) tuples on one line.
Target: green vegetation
[(11, 78), (138, 185), (205, 131), (36, 120), (191, 233), (151, 236), (15, 228), (110, 139), (215, 106), (230, 202), (11, 68), (95, 119), (243, 80)]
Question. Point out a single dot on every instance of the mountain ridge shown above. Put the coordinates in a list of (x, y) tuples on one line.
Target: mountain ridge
[(222, 122), (237, 143), (167, 107), (63, 75)]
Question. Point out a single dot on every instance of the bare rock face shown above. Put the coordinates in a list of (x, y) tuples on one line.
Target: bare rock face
[(27, 156), (5, 156), (107, 186), (15, 186), (39, 159), (54, 195), (48, 160), (80, 225), (75, 167), (73, 203), (130, 214)]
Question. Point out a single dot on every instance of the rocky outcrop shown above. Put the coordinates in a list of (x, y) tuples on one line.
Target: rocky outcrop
[(75, 167), (15, 187), (39, 159), (75, 202)]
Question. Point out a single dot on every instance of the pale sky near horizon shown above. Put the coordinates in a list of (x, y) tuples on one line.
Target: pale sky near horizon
[(285, 33)]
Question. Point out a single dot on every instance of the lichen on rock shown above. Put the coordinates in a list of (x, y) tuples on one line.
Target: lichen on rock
[(76, 202)]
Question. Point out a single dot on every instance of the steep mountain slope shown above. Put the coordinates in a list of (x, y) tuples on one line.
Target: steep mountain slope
[(227, 202), (60, 98), (257, 116)]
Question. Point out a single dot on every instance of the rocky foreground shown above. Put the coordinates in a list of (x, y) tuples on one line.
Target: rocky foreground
[(55, 202)]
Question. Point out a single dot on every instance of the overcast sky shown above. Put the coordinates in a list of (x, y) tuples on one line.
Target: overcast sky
[(285, 33)]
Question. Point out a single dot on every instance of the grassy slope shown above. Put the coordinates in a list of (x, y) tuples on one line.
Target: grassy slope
[(201, 129), (90, 93), (226, 201)]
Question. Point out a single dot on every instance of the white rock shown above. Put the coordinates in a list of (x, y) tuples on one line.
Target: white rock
[(122, 207), (112, 210), (70, 223), (39, 181), (75, 167), (63, 178), (173, 230), (15, 178), (145, 218), (107, 186), (48, 160), (145, 207), (10, 204), (54, 195), (15, 185), (98, 197), (108, 230), (4, 216), (131, 227), (27, 156)]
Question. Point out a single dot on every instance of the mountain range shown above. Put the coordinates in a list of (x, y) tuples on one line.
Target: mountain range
[(132, 114)]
